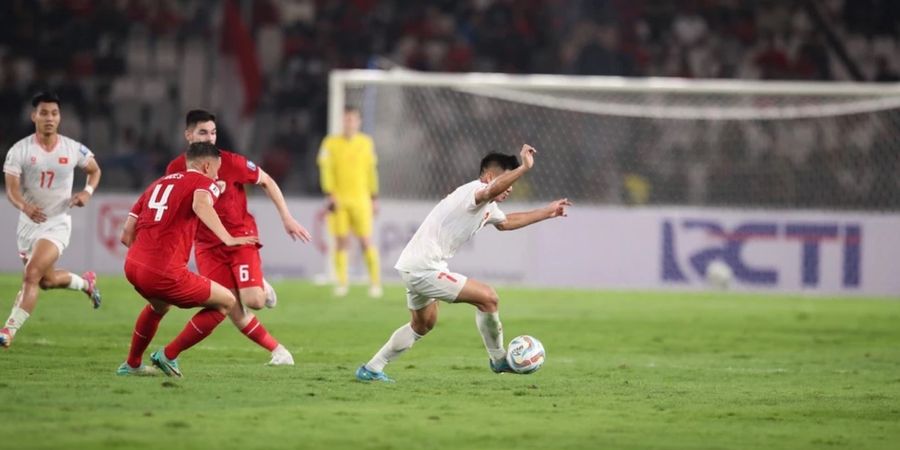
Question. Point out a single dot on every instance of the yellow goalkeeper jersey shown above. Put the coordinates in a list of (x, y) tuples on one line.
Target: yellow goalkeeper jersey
[(347, 167)]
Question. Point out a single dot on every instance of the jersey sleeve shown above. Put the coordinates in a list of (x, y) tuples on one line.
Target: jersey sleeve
[(138, 206), (14, 159), (83, 155), (497, 216), (208, 185), (242, 169), (471, 204)]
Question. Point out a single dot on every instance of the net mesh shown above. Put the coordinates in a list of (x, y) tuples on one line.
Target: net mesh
[(716, 149)]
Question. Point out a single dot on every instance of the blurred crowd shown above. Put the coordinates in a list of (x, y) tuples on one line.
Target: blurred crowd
[(128, 69)]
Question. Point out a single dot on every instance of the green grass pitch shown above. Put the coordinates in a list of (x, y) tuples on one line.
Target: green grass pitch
[(624, 370)]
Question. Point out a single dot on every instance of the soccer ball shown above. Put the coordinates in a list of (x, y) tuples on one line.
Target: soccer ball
[(718, 274), (525, 354)]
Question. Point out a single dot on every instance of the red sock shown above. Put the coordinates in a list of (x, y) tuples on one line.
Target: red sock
[(197, 329), (144, 330), (257, 333)]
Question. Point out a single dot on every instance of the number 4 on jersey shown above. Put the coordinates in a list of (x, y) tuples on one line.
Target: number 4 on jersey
[(159, 204)]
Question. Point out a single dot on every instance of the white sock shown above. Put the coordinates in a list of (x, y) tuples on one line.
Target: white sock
[(492, 333), (400, 341), (17, 318), (77, 283)]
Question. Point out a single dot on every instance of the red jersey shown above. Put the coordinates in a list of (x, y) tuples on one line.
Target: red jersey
[(236, 171), (166, 222)]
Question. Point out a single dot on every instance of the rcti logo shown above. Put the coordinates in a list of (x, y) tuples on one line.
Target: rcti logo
[(809, 235)]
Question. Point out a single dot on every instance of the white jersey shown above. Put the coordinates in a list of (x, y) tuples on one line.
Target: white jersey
[(448, 226), (46, 177)]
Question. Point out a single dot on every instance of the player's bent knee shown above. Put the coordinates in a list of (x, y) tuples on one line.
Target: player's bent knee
[(423, 327), (46, 284), (33, 275), (253, 298), (225, 306), (490, 301), (220, 298)]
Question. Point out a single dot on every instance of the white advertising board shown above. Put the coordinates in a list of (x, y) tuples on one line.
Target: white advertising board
[(595, 247)]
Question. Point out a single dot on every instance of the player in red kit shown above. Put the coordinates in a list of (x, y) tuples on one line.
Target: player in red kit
[(159, 233), (239, 268)]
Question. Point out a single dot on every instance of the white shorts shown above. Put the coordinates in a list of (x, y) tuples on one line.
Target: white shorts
[(56, 230), (423, 288)]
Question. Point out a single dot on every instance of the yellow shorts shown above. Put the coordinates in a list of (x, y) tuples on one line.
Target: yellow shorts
[(352, 214)]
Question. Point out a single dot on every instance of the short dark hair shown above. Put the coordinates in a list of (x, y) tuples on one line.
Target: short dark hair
[(199, 150), (501, 160), (196, 116), (44, 97), (351, 109)]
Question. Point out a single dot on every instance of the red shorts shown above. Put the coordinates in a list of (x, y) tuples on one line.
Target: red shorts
[(180, 287), (232, 267)]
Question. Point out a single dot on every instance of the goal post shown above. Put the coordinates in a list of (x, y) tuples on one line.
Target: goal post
[(613, 140)]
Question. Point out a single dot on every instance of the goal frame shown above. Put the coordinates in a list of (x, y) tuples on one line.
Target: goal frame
[(339, 80)]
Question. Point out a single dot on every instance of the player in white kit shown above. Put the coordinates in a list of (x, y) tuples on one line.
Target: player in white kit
[(39, 171), (423, 263)]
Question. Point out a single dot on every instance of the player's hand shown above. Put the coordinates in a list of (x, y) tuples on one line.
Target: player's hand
[(331, 203), (35, 213), (375, 206), (527, 155), (80, 199), (243, 240), (296, 231), (558, 207)]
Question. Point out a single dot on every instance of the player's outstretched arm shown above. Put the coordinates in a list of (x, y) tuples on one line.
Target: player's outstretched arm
[(503, 182), (522, 219), (203, 208), (93, 180), (14, 194), (291, 226)]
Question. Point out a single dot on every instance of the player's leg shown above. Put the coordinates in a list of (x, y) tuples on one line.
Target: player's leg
[(403, 338), (59, 232), (250, 326), (487, 319), (247, 278), (361, 223), (253, 297), (420, 299), (144, 330), (63, 279), (43, 256), (341, 238), (219, 303)]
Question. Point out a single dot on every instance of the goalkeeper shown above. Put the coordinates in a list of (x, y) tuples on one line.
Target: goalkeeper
[(349, 178)]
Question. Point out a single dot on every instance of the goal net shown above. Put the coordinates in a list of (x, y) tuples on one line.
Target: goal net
[(610, 140)]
